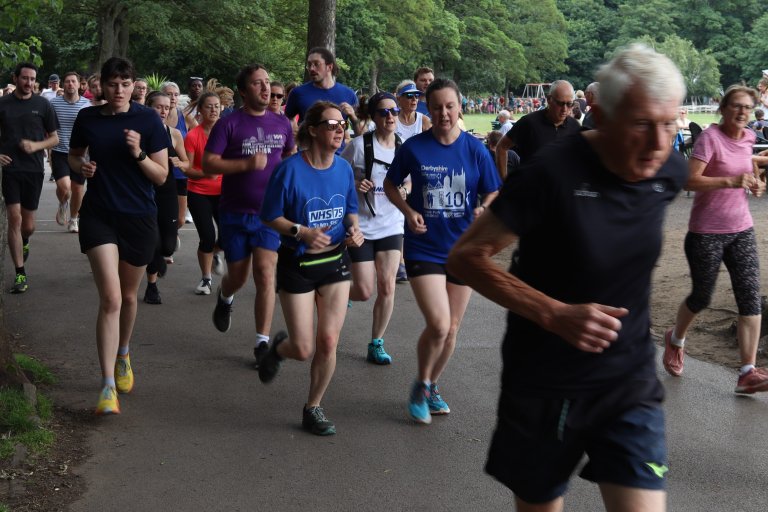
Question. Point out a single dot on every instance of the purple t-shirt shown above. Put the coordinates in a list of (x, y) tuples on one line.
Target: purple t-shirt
[(724, 210), (241, 135)]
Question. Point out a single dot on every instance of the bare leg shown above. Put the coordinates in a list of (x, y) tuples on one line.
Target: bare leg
[(386, 270), (685, 318), (104, 265), (130, 279), (76, 199), (618, 498), (748, 334), (458, 298), (264, 265), (331, 311), (555, 505), (13, 211), (432, 298)]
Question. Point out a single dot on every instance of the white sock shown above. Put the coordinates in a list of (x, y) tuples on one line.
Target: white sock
[(746, 369), (227, 300), (261, 338), (674, 340)]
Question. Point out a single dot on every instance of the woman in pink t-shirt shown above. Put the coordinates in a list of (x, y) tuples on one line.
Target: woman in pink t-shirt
[(204, 192), (721, 171)]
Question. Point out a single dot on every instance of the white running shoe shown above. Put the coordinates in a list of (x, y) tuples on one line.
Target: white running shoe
[(62, 214), (74, 225), (204, 288), (218, 264)]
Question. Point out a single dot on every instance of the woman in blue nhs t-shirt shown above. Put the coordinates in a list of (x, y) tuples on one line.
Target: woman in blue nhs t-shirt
[(449, 169), (311, 201)]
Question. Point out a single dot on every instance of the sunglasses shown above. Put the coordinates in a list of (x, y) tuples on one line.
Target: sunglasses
[(275, 95), (384, 112), (412, 95), (559, 103), (333, 125)]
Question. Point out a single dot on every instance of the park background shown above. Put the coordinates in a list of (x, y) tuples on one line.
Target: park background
[(487, 46)]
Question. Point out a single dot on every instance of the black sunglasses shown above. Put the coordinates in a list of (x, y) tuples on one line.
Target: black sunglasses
[(384, 112), (275, 95)]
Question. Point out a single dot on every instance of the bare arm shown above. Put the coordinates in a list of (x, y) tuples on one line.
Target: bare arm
[(698, 182), (48, 142), (588, 327), (426, 123), (181, 161), (413, 218), (504, 145), (313, 238)]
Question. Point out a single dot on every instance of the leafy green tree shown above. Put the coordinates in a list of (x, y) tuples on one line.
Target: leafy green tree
[(540, 29), (753, 55), (590, 24), (16, 15)]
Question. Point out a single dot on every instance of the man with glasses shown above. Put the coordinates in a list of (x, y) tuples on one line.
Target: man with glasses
[(322, 69), (541, 127), (245, 147)]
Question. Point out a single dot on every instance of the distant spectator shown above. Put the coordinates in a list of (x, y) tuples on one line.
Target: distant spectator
[(759, 123), (505, 118), (581, 101), (683, 121)]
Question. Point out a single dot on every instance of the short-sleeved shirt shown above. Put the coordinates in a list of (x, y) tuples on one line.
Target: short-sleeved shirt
[(241, 135), (32, 119), (67, 112), (306, 95), (388, 220), (311, 197), (585, 235), (119, 185), (535, 130), (446, 182), (195, 142), (724, 210)]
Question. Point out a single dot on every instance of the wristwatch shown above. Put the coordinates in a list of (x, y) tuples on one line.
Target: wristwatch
[(141, 156), (296, 231)]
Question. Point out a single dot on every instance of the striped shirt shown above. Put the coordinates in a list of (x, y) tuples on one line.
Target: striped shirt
[(66, 112)]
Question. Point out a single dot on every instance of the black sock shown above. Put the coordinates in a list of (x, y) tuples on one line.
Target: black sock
[(151, 285), (20, 270), (25, 241)]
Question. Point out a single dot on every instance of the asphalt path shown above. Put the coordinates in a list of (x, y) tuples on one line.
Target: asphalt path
[(201, 433)]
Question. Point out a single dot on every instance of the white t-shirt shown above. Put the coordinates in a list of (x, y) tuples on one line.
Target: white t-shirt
[(406, 131), (388, 220)]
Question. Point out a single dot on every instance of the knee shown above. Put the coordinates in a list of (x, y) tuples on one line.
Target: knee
[(386, 287), (264, 277), (361, 292), (129, 300), (111, 304), (438, 331), (326, 345), (303, 352)]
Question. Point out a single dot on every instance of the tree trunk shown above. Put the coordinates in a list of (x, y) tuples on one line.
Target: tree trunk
[(113, 31), (373, 88), (321, 26), (10, 373)]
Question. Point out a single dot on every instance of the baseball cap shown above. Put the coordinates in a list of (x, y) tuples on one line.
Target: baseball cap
[(408, 89), (53, 78)]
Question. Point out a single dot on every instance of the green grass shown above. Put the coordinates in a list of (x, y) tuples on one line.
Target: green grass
[(16, 425), (38, 373), (4, 508)]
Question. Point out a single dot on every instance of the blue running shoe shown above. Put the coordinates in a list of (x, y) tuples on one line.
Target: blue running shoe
[(377, 354), (436, 403), (418, 409)]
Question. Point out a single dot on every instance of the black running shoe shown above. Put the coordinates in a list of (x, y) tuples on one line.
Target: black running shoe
[(260, 352), (152, 295), (270, 364), (314, 421), (222, 314)]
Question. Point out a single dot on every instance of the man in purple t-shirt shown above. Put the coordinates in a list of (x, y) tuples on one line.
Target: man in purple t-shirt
[(245, 147)]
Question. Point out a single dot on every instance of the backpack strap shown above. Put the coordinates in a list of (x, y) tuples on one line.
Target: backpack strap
[(368, 157)]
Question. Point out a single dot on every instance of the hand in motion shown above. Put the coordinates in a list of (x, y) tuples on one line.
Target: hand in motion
[(27, 146), (175, 161), (315, 238), (5, 160), (588, 327), (133, 140), (416, 223), (745, 181), (88, 169), (355, 237), (258, 162), (365, 185), (347, 109)]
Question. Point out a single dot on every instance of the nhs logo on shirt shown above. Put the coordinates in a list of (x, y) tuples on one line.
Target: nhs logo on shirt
[(329, 214)]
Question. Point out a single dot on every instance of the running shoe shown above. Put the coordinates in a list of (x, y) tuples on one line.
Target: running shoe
[(152, 295), (62, 214), (188, 218), (222, 313), (435, 402), (313, 420), (218, 264), (377, 354), (270, 364), (755, 380), (74, 225), (259, 352), (20, 284), (673, 356), (418, 409), (25, 251), (204, 288), (108, 403), (123, 374), (402, 276)]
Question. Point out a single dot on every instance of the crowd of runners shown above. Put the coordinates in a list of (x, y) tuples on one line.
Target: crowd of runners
[(330, 200)]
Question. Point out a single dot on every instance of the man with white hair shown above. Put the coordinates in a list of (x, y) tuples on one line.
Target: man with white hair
[(541, 127), (579, 372), (505, 118)]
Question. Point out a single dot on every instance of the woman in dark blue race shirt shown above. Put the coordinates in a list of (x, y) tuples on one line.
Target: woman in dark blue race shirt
[(449, 170), (311, 201), (127, 149)]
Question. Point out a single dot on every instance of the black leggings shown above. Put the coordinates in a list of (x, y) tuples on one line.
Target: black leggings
[(738, 251), (167, 203), (205, 213)]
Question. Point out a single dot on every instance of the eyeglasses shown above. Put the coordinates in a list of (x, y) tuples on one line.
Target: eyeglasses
[(559, 103), (384, 112), (739, 106), (333, 125), (412, 95), (275, 95)]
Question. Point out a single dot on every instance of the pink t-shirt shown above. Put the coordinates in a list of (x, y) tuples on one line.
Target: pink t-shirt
[(725, 210), (195, 143)]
